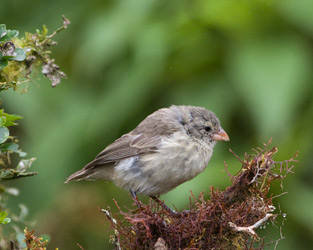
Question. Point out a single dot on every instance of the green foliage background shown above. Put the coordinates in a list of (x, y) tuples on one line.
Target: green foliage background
[(248, 61)]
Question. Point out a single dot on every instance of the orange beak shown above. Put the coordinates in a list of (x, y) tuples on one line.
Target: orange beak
[(221, 135)]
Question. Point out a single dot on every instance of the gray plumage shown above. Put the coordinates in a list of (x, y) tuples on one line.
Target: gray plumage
[(169, 147)]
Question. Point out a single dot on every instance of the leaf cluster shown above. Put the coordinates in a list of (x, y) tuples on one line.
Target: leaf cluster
[(17, 58), (9, 145), (19, 55), (8, 51), (3, 218)]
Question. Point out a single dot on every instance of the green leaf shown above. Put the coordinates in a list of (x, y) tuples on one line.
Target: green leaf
[(6, 174), (3, 219), (13, 147), (3, 214), (10, 118), (2, 30), (6, 220), (10, 34), (9, 147), (2, 120), (9, 174), (4, 134), (7, 58), (19, 171), (3, 64), (23, 165), (20, 55)]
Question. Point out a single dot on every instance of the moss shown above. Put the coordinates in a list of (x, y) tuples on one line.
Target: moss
[(226, 220)]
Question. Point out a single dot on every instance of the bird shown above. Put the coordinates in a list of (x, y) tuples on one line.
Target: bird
[(169, 147)]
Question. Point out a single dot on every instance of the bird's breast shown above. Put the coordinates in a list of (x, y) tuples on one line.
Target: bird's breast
[(177, 159), (184, 157)]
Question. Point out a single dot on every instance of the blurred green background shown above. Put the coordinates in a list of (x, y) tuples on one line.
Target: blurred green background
[(249, 61)]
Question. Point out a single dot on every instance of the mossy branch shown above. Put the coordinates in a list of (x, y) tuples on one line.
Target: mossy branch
[(227, 220)]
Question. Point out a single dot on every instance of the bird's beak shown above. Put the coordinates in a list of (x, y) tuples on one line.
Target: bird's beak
[(221, 135)]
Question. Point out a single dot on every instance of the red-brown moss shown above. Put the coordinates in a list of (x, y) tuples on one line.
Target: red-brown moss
[(223, 221)]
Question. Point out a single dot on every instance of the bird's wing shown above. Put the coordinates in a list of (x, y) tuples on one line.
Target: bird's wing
[(124, 147)]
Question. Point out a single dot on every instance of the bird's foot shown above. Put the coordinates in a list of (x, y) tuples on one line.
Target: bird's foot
[(135, 198), (168, 209)]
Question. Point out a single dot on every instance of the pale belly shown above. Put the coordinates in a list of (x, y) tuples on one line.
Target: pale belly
[(157, 173)]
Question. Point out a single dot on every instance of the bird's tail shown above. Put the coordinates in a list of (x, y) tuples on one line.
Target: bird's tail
[(82, 174), (93, 172)]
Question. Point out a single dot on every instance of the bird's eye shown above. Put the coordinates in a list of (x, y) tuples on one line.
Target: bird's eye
[(207, 128)]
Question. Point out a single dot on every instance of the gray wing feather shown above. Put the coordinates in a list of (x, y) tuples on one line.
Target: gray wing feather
[(124, 147)]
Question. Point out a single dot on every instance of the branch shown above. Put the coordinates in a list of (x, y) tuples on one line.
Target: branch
[(250, 230), (114, 225)]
